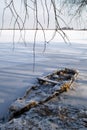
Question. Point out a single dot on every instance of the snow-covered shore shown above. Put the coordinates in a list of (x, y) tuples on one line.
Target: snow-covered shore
[(16, 67)]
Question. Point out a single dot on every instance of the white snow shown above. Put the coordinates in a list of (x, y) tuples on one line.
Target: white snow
[(16, 64)]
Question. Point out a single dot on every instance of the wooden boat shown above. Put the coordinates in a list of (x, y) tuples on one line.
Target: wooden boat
[(47, 88)]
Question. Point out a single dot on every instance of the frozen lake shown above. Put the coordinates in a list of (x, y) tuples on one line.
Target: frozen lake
[(16, 64)]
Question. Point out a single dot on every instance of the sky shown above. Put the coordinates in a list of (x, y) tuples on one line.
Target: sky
[(9, 20)]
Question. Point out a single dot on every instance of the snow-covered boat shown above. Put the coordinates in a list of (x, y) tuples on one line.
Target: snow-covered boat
[(47, 88)]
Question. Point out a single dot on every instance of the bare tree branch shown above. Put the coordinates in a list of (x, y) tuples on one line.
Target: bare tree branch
[(19, 20)]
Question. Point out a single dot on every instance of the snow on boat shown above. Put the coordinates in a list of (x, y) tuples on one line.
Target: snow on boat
[(47, 88), (59, 76)]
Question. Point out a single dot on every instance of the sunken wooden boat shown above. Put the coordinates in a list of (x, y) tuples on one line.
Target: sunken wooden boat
[(47, 88)]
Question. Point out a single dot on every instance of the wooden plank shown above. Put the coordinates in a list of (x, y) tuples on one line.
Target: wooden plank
[(47, 80)]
